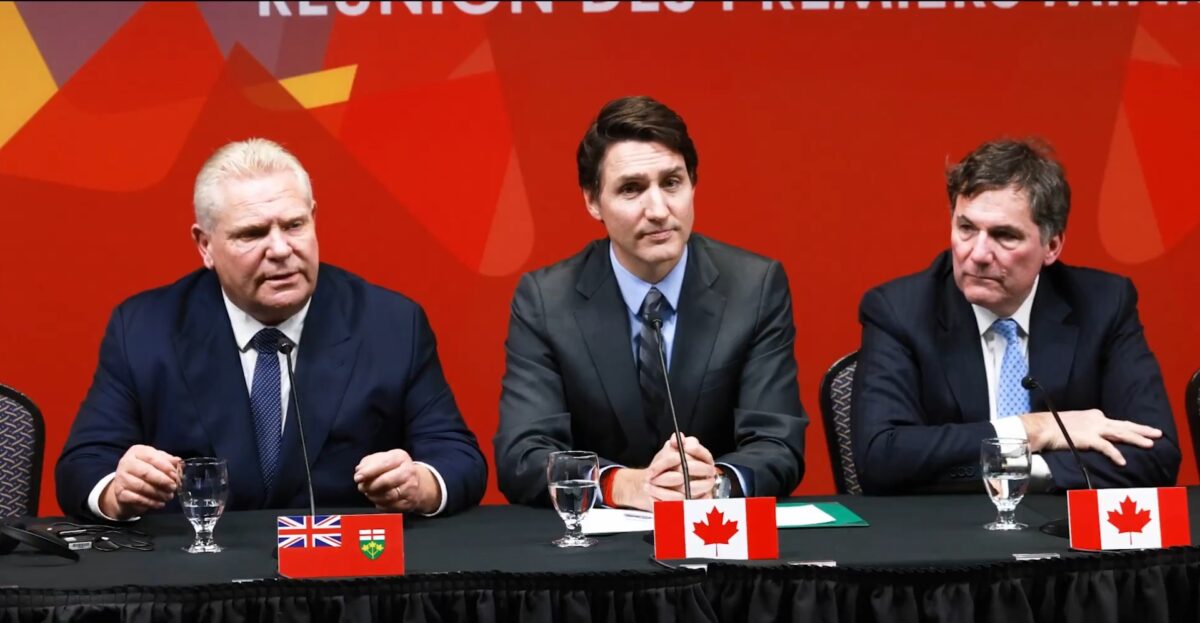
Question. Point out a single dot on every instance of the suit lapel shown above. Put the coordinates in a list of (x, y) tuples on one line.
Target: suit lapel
[(962, 353), (1052, 339), (696, 328), (326, 355), (211, 366), (603, 322)]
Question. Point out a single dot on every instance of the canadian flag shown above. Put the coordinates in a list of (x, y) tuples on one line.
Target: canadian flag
[(732, 529), (1128, 518)]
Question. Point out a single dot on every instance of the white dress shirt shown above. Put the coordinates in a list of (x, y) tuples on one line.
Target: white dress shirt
[(993, 358)]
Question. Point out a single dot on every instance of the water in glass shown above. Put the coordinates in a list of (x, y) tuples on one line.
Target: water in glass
[(1006, 489), (573, 498), (1005, 464), (203, 492), (572, 477)]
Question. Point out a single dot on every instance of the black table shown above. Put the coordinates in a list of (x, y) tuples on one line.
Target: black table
[(922, 558)]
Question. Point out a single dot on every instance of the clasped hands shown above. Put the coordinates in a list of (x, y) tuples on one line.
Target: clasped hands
[(663, 478), (147, 478)]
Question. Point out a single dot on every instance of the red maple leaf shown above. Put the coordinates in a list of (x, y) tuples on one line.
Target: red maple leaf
[(714, 529), (1129, 518)]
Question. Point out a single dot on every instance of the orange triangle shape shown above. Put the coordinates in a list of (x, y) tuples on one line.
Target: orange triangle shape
[(1147, 48), (478, 62)]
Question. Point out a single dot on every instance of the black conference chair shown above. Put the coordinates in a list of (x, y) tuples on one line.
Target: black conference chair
[(836, 387), (1192, 403), (22, 441)]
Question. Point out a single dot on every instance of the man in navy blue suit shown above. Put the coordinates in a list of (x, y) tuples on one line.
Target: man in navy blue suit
[(199, 368), (944, 351)]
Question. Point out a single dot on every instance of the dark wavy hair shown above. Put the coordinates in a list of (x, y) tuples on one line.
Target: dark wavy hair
[(1025, 165), (638, 118)]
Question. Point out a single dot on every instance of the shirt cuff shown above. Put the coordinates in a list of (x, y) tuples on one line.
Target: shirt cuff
[(1040, 478), (1010, 427), (1039, 470), (600, 501), (93, 500), (746, 493), (441, 487)]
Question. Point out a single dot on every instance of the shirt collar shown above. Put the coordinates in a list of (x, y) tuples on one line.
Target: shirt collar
[(245, 326), (634, 290), (985, 318)]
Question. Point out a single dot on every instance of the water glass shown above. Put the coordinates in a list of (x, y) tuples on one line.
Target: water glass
[(1006, 464), (205, 487), (573, 479)]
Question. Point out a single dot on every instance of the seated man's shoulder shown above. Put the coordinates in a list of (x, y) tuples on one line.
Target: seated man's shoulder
[(914, 294), (1083, 281), (732, 258), (360, 297), (565, 273), (167, 301), (1094, 296)]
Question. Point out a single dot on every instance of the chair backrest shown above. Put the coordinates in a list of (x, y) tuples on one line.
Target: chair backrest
[(22, 438), (836, 387), (1192, 406)]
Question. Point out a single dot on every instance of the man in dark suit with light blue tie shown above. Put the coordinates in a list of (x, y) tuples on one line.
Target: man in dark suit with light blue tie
[(944, 351), (195, 368)]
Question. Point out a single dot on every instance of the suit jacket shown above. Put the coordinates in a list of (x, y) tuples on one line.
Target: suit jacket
[(571, 382), (920, 402), (367, 377)]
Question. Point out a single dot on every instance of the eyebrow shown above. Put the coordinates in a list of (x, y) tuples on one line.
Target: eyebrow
[(1006, 229), (675, 170), (267, 223), (631, 177), (1001, 229)]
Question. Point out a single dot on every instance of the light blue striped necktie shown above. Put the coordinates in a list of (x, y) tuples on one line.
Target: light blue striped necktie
[(1012, 399)]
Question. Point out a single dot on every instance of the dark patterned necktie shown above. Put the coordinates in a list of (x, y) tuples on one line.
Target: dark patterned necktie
[(266, 404), (650, 373)]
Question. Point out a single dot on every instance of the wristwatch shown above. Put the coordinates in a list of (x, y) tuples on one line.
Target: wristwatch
[(722, 487)]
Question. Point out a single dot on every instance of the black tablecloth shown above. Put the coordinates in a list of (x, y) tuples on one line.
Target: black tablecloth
[(921, 559)]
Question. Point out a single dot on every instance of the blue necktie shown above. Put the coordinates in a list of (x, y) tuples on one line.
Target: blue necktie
[(650, 376), (1013, 399), (266, 404)]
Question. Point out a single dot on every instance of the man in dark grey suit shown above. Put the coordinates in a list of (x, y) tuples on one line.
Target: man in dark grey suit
[(583, 363), (944, 351)]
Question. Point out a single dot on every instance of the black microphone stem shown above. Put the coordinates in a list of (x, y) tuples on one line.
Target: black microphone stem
[(286, 348), (1031, 383), (662, 360)]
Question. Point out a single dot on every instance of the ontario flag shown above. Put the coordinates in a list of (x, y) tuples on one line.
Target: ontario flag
[(733, 529), (1128, 518), (331, 546)]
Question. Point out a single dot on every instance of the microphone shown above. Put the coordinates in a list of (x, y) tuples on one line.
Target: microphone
[(1058, 527), (1031, 384), (286, 347), (656, 322)]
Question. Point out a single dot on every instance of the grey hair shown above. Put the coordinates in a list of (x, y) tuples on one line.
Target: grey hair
[(251, 158)]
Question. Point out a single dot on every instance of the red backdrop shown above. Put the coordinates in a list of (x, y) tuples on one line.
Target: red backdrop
[(445, 167)]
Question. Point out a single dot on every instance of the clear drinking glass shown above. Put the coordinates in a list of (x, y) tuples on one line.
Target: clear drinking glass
[(1006, 466), (572, 476), (205, 487)]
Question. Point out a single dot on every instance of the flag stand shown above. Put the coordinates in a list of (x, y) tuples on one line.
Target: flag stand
[(1057, 527)]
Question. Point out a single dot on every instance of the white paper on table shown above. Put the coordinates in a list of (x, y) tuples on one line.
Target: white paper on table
[(794, 516), (614, 520)]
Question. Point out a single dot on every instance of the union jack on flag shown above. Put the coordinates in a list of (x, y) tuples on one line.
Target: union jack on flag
[(309, 531)]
